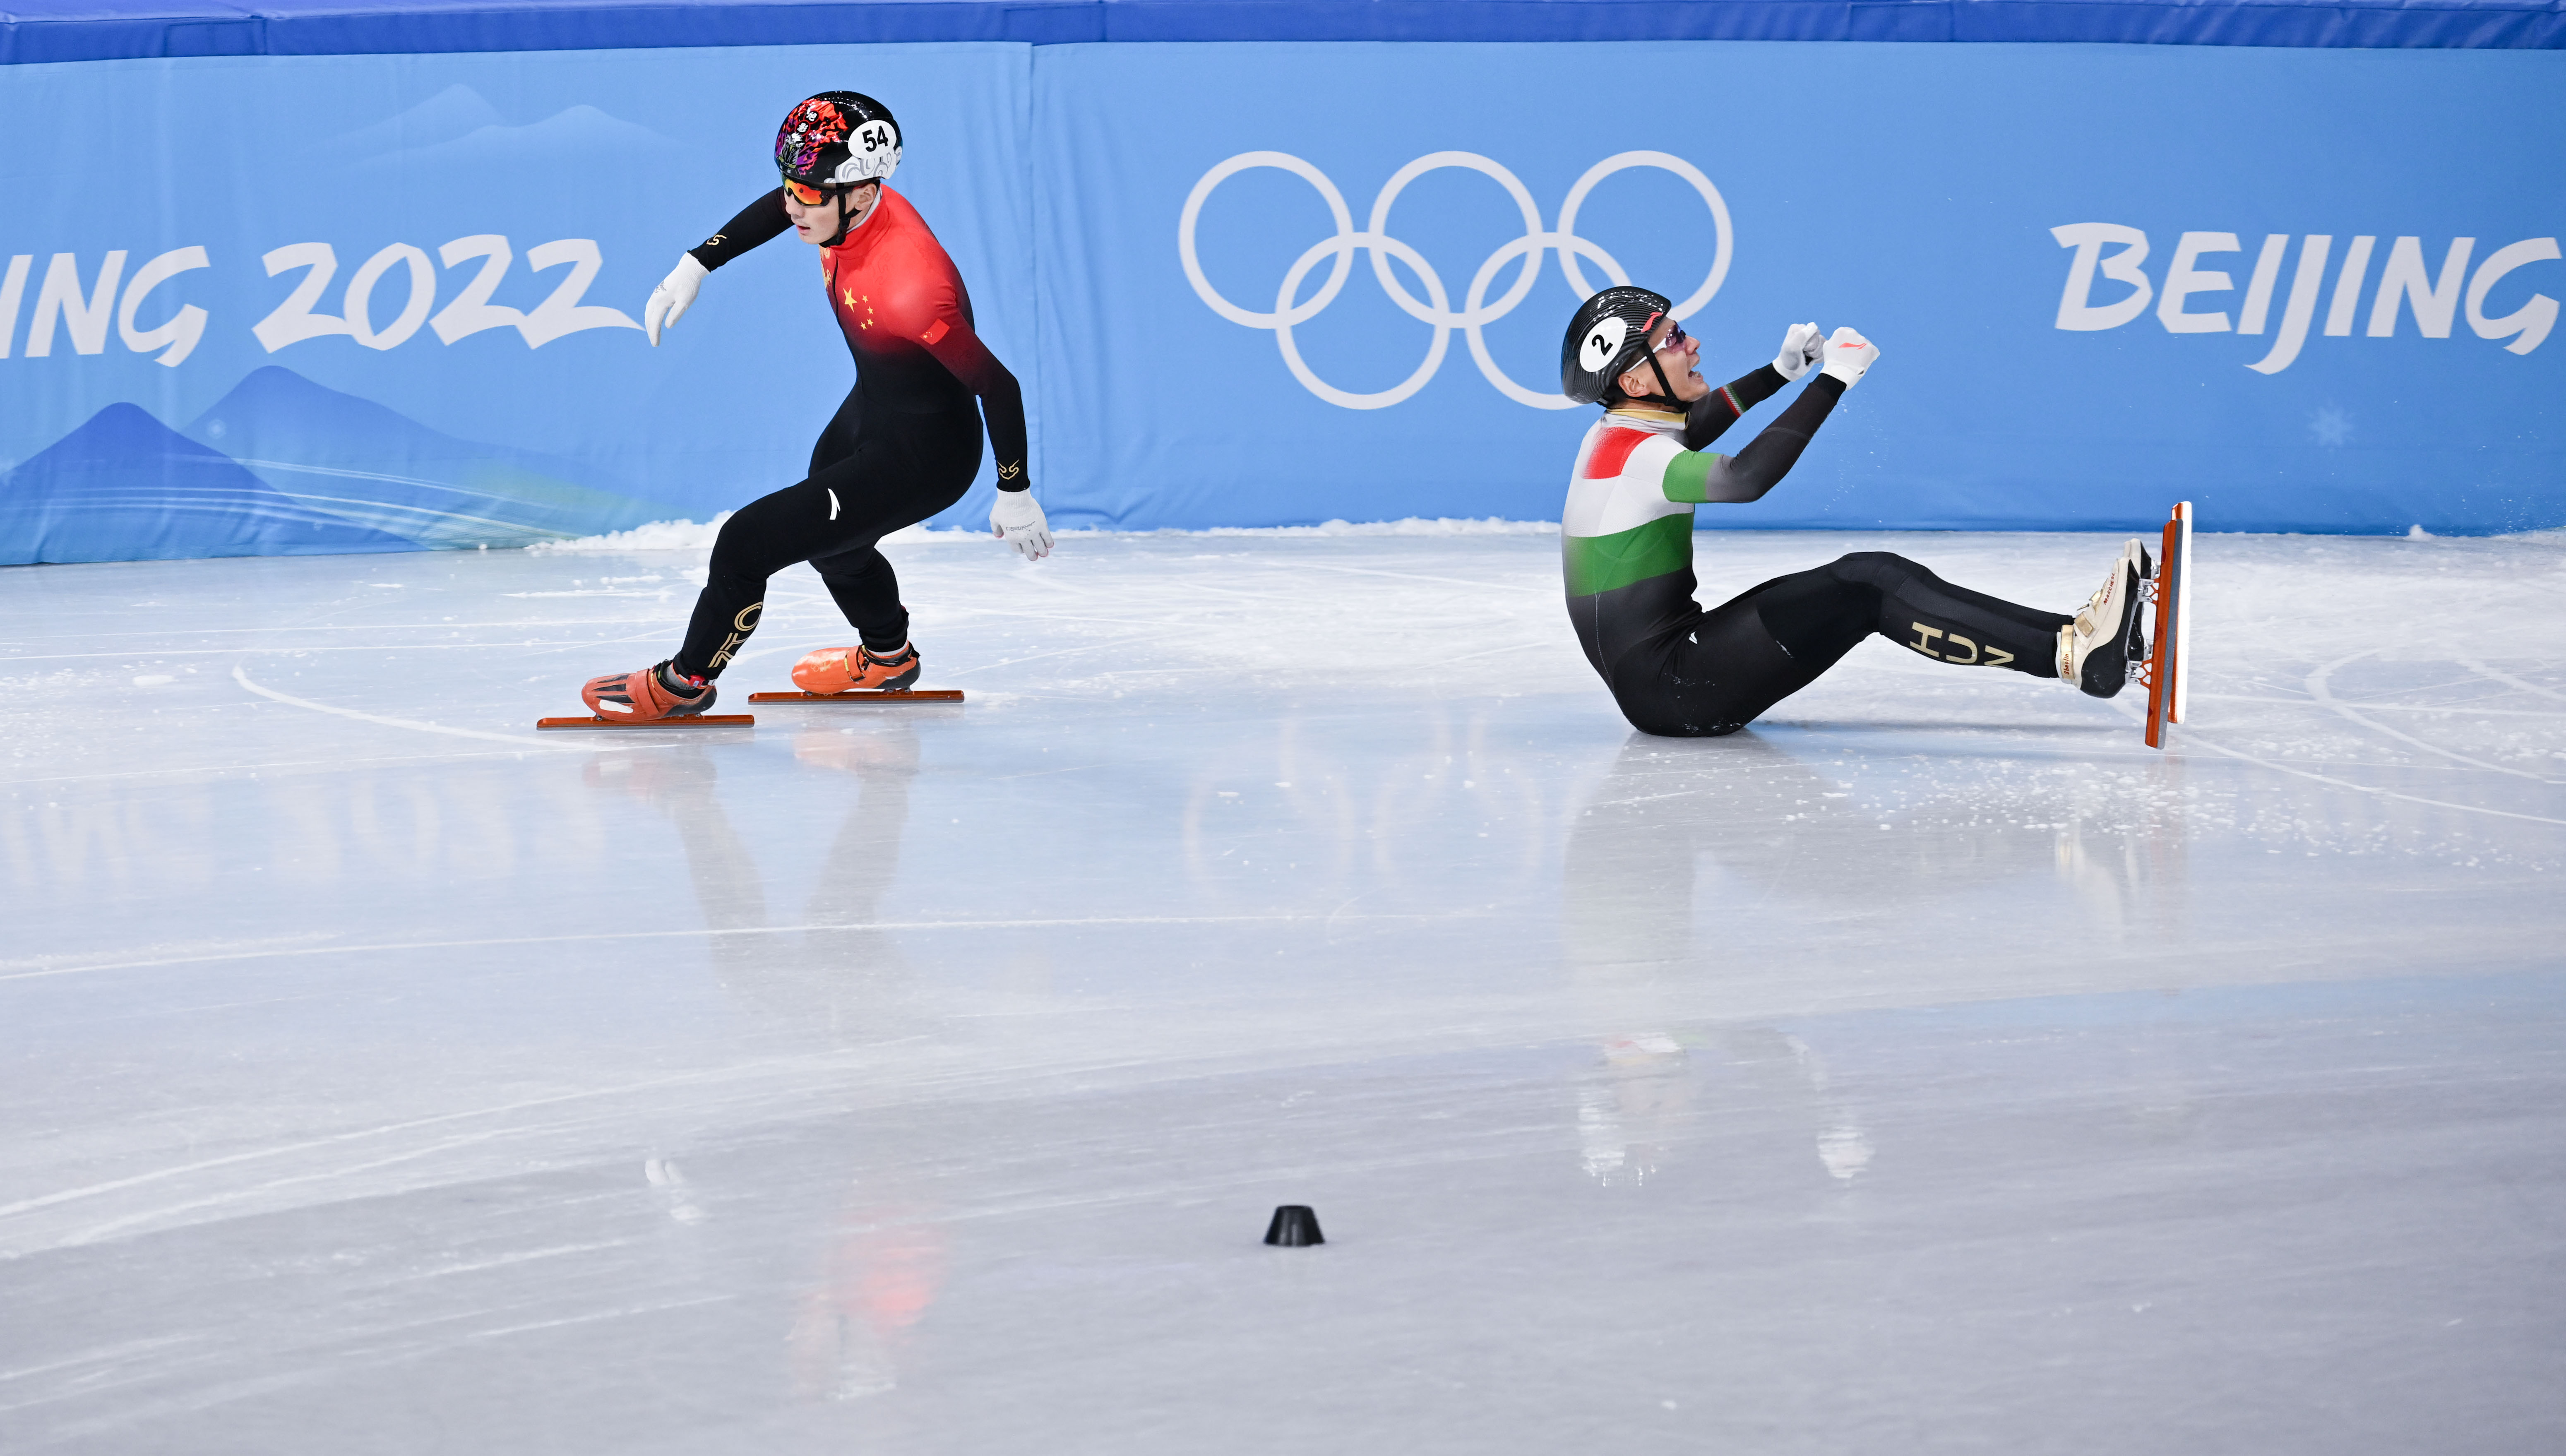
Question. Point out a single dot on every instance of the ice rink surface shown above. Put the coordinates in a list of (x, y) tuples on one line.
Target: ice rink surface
[(1932, 1067)]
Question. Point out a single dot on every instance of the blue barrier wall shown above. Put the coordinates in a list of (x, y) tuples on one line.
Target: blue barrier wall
[(2102, 277), (93, 30), (500, 220), (1917, 193)]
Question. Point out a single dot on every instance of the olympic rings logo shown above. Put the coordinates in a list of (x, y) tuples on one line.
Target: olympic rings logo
[(1477, 309)]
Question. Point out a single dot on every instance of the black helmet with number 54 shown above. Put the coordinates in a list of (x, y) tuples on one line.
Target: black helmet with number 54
[(1609, 335), (837, 139)]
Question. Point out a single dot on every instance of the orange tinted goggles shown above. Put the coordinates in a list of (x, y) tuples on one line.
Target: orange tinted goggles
[(814, 196)]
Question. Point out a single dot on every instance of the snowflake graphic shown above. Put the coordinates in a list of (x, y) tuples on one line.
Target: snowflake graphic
[(2330, 427)]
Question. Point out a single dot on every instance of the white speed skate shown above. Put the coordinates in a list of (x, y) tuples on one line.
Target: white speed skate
[(2096, 649)]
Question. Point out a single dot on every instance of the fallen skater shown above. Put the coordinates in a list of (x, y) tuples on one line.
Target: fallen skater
[(904, 446), (1626, 533)]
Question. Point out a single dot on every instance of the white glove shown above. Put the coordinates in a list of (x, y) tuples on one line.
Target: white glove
[(1017, 518), (1848, 355), (669, 301), (1801, 347)]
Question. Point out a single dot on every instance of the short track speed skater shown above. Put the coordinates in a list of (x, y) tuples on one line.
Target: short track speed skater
[(2168, 588), (1680, 670)]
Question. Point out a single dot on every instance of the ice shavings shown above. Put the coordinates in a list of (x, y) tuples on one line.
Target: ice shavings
[(650, 536)]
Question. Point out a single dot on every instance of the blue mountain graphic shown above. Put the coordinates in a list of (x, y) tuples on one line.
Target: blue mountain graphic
[(457, 110), (568, 140), (125, 487), (374, 467)]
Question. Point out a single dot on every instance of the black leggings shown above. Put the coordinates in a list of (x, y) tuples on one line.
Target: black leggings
[(873, 472), (1719, 671)]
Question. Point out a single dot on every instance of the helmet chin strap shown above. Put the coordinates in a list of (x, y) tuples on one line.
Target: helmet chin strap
[(1674, 402), (1670, 399), (840, 235)]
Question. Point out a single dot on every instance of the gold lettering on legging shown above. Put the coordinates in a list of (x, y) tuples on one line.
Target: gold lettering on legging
[(742, 624), (1923, 636), (1998, 657), (1958, 640)]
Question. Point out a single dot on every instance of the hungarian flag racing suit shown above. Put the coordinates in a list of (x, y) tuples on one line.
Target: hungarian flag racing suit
[(1627, 549)]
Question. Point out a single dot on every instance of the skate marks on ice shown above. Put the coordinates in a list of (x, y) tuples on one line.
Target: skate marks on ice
[(2508, 680), (240, 675), (1246, 616), (2320, 688), (925, 1081), (2395, 695), (2432, 719), (2001, 1196), (840, 974)]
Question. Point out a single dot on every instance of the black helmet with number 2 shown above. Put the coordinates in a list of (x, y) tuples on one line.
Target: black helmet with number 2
[(1607, 336)]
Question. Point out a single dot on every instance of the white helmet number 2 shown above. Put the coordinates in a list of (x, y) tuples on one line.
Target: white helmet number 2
[(1601, 345)]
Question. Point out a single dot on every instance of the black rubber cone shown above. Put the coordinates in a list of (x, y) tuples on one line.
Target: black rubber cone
[(1294, 1227)]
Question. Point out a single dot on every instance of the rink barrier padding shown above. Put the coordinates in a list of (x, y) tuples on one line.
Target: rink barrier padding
[(140, 29), (2083, 274)]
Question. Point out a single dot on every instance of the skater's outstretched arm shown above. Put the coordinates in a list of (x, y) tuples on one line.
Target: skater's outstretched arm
[(1712, 414), (761, 222), (1747, 475), (756, 223)]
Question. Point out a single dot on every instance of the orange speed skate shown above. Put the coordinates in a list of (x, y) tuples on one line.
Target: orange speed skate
[(645, 696), (859, 669)]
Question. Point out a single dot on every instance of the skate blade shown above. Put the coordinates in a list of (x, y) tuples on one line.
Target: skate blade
[(864, 696), (700, 720), (2168, 649)]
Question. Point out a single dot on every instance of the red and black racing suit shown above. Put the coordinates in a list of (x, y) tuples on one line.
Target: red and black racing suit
[(904, 447)]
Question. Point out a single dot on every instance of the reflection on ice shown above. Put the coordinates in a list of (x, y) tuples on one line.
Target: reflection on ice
[(837, 971)]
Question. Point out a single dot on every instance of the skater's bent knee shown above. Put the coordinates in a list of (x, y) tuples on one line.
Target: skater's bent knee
[(850, 566), (735, 556), (735, 577), (1883, 570), (1869, 565)]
